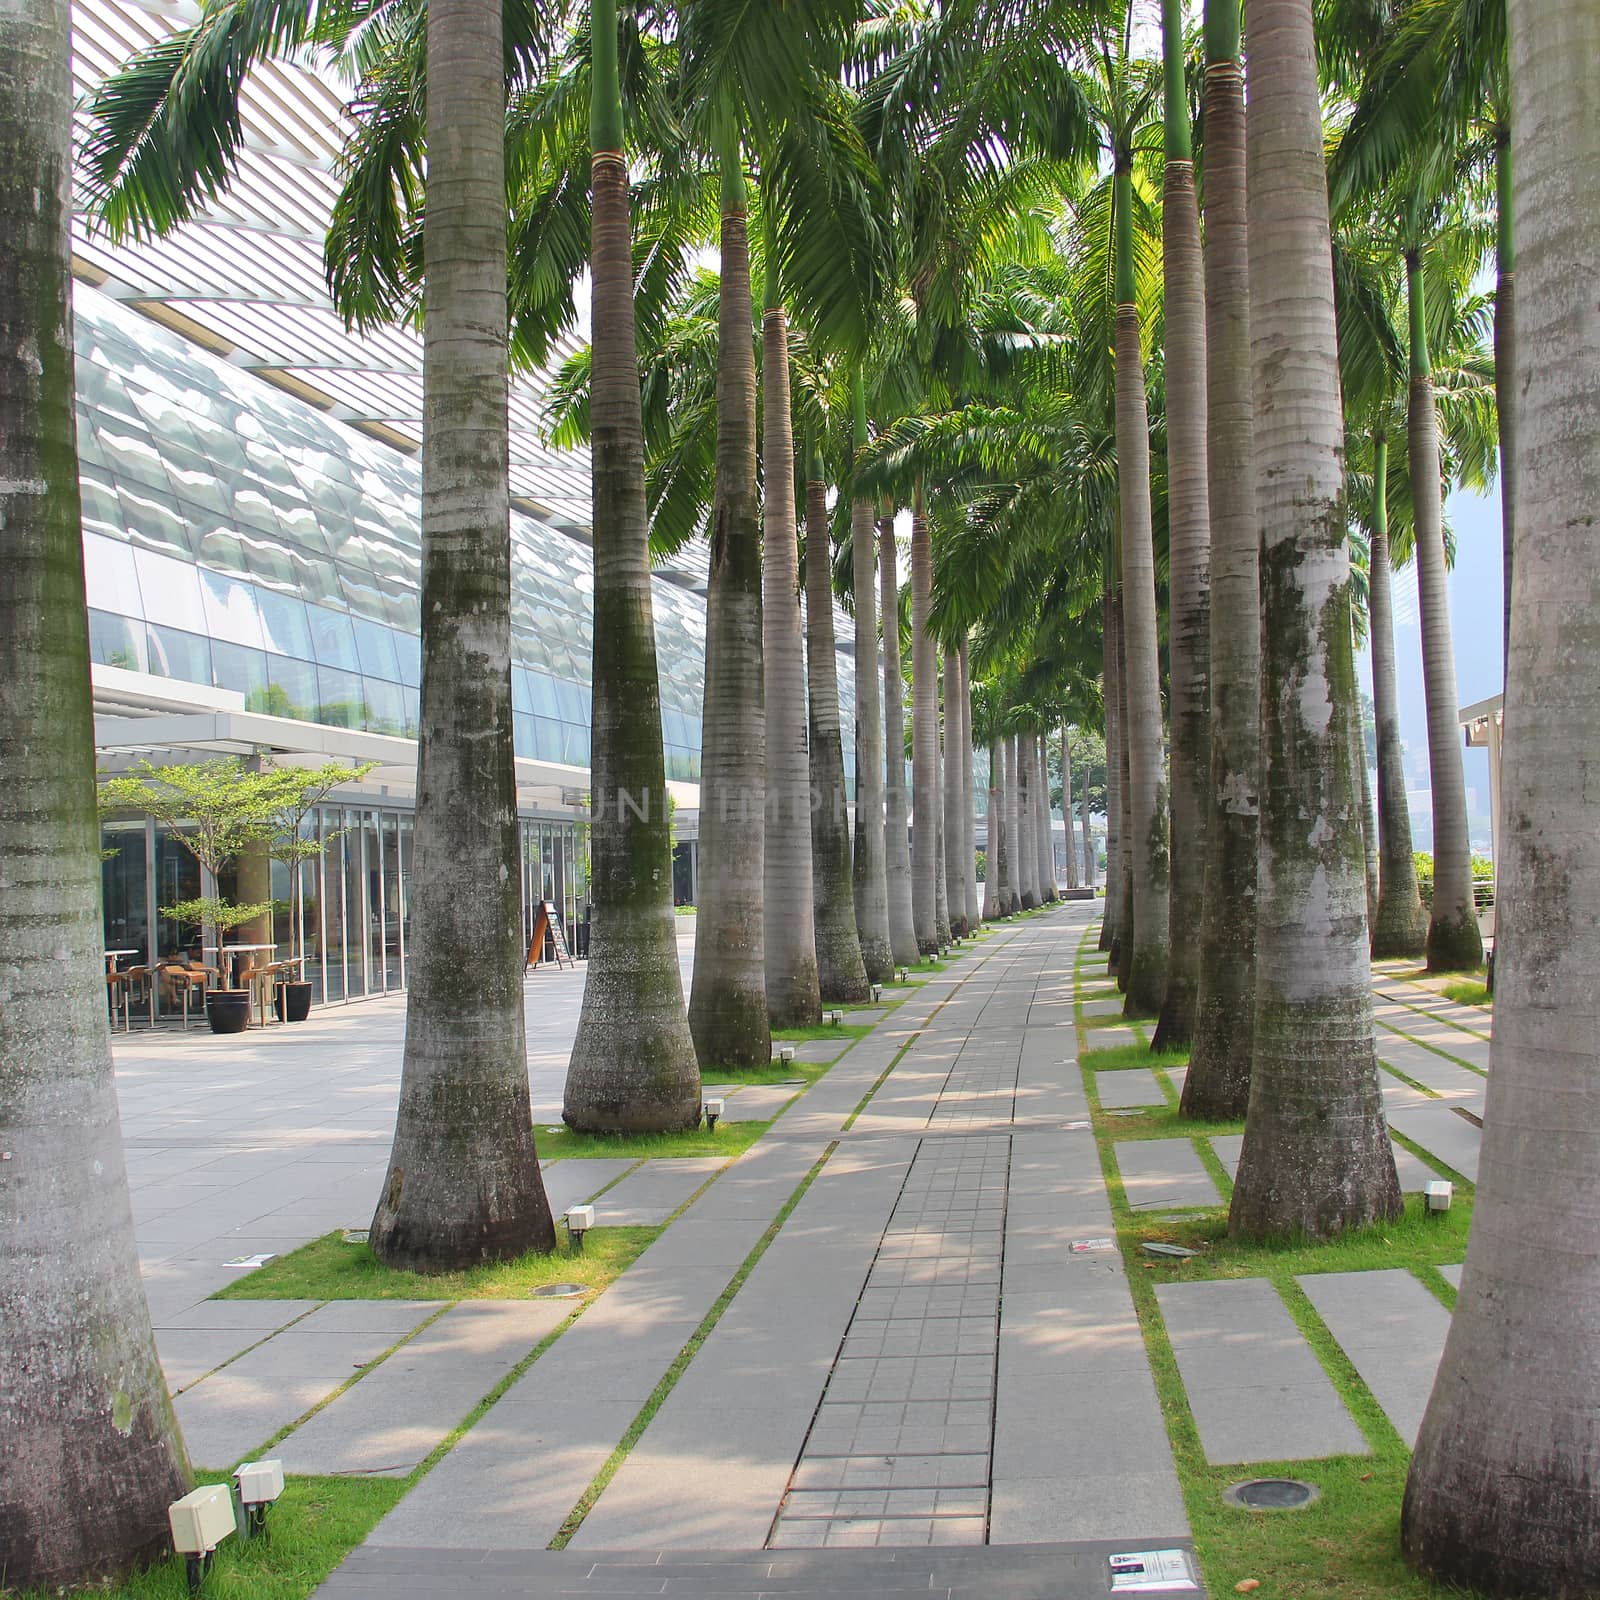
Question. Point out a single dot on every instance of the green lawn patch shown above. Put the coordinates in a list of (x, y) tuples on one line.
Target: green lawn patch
[(778, 1072), (1164, 1123), (845, 1032), (730, 1139), (1468, 993), (1133, 1055), (330, 1269)]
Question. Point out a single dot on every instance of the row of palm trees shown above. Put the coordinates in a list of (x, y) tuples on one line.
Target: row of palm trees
[(1011, 289)]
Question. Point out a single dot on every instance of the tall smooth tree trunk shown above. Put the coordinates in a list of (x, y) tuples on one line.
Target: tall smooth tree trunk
[(1400, 927), (794, 997), (897, 837), (841, 973), (1189, 543), (463, 1184), (941, 898), (1505, 363), (1066, 810), (954, 796), (1369, 820), (1503, 1493), (994, 894), (1218, 1082), (969, 796), (1111, 925), (1088, 841), (925, 863), (91, 1452), (1317, 1158), (1027, 828), (1123, 954), (1454, 942), (870, 869), (1147, 808), (633, 1066), (728, 992), (1047, 846), (1010, 886)]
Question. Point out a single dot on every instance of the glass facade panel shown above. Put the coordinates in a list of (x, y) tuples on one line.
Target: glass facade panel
[(174, 654)]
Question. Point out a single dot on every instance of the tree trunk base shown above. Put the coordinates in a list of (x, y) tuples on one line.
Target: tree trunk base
[(1455, 944), (1399, 930)]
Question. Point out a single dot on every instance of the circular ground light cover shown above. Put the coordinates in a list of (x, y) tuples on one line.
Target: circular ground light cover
[(1272, 1494), (557, 1291)]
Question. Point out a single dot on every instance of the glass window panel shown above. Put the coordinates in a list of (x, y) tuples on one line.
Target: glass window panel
[(375, 645), (545, 699), (576, 743), (524, 737), (573, 702), (291, 689), (408, 656), (171, 592), (521, 693), (339, 699), (316, 580), (284, 624), (244, 671), (547, 739), (117, 641), (386, 706), (154, 522), (230, 609), (108, 575), (175, 654), (334, 639)]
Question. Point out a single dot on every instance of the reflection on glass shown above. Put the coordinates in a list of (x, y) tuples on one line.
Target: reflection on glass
[(173, 654)]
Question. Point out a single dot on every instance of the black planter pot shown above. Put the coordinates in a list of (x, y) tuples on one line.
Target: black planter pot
[(228, 1010), (292, 1002)]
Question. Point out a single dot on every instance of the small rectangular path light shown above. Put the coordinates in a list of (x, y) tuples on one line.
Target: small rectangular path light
[(580, 1219), (786, 1052), (1439, 1194), (713, 1114), (200, 1521), (257, 1485)]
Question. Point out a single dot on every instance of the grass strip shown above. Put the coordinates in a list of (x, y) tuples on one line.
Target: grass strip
[(729, 1139), (329, 1269), (1117, 1057), (847, 1032), (1468, 994), (680, 1364)]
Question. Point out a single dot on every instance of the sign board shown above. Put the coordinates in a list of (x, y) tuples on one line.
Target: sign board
[(1153, 1572), (547, 922)]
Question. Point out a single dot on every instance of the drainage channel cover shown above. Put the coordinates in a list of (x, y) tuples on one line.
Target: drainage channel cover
[(558, 1291), (1271, 1494)]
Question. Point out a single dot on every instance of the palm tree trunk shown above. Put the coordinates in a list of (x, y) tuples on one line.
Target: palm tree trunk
[(1038, 819), (954, 793), (1011, 893), (941, 887), (969, 797), (1317, 1157), (1088, 840), (1502, 1493), (1027, 831), (1047, 838), (1454, 942), (1147, 809), (1111, 926), (633, 1062), (1505, 363), (924, 736), (1189, 541), (897, 838), (93, 1454), (1123, 954), (994, 894), (1066, 809), (728, 992), (1218, 1082), (841, 974), (1400, 927), (1369, 821), (463, 1185), (794, 997), (870, 869)]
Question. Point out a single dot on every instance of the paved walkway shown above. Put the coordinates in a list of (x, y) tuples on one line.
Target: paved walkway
[(891, 1324)]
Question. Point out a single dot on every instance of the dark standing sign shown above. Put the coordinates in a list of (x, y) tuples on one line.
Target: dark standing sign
[(547, 923)]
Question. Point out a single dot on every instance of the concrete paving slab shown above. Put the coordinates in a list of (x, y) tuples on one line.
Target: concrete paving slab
[(1257, 1391), (1452, 1274), (1164, 1174), (1109, 1038), (265, 1315), (571, 1183), (1444, 1135), (1129, 1087), (1393, 1331), (654, 1190), (391, 1420), (229, 1416), (1106, 1005)]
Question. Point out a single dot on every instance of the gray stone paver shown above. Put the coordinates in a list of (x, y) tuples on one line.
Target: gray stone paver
[(1164, 1174), (1109, 1038), (1393, 1331), (1127, 1087), (1444, 1135), (1452, 1275), (572, 1182), (654, 1190), (1257, 1391)]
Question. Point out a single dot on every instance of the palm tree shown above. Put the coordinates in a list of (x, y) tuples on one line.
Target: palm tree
[(897, 838), (870, 873), (1066, 806), (463, 1184), (633, 1065), (955, 797), (1316, 1157), (1501, 1492), (1218, 1081), (727, 996), (925, 864), (841, 973), (1188, 541), (941, 894), (794, 996), (1047, 850), (84, 1401), (975, 913), (1111, 680)]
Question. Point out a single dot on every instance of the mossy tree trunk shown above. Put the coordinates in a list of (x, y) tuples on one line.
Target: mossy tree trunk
[(925, 862), (896, 808), (941, 887), (1317, 1158), (91, 1449), (1218, 1081), (969, 793), (1111, 924), (463, 1184), (993, 885), (1189, 543), (955, 834), (1027, 835), (841, 974), (794, 998), (728, 992), (1401, 925), (633, 1063), (1454, 942), (1503, 1496)]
